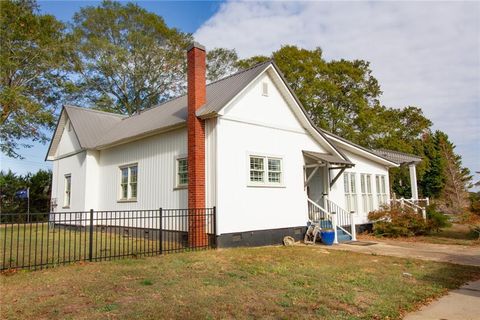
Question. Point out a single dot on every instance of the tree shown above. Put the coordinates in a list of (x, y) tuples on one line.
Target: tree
[(40, 190), (221, 62), (32, 64), (128, 58), (457, 178)]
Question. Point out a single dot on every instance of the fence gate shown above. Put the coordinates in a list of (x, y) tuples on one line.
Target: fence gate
[(40, 240)]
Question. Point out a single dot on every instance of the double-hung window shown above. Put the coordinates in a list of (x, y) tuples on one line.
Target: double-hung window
[(265, 171), (380, 184), (350, 188), (128, 182), (68, 190), (182, 172), (366, 190)]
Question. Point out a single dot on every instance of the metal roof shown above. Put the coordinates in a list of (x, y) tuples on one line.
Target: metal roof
[(91, 124), (328, 158), (397, 156)]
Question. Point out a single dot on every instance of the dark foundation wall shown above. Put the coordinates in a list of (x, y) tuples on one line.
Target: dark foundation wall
[(259, 237)]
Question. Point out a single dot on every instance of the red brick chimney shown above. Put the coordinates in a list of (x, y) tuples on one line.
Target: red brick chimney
[(196, 145)]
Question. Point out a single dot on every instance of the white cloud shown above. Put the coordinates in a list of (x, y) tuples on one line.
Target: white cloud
[(425, 54)]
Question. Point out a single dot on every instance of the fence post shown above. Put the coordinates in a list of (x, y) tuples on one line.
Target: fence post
[(334, 227), (352, 226), (90, 237), (215, 227), (424, 214), (161, 230), (428, 201)]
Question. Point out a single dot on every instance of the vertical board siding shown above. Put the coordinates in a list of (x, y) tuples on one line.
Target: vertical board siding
[(156, 158), (76, 166), (210, 161)]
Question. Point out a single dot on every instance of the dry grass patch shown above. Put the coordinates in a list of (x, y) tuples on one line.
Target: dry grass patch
[(268, 282)]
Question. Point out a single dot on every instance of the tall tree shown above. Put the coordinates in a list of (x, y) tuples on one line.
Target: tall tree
[(457, 178), (128, 58), (33, 55)]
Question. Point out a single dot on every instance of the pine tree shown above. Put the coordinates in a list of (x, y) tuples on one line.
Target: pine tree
[(454, 197)]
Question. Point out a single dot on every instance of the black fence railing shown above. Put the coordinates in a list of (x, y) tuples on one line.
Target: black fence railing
[(40, 240)]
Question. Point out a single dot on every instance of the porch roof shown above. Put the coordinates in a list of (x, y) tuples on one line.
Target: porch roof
[(328, 158), (398, 157)]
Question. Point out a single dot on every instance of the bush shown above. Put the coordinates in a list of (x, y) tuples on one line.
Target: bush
[(398, 222), (436, 220)]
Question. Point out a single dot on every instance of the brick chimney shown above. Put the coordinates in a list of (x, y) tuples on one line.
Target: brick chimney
[(196, 145)]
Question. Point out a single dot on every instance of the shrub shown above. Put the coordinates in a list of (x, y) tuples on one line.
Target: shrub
[(436, 219), (397, 222)]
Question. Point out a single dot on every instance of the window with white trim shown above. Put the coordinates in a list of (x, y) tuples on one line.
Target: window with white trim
[(366, 190), (68, 191), (350, 188), (380, 183), (128, 182), (182, 172), (265, 170)]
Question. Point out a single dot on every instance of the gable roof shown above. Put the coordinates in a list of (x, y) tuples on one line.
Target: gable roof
[(100, 130), (88, 125)]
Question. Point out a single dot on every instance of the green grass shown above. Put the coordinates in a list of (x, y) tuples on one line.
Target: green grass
[(246, 283), (30, 244)]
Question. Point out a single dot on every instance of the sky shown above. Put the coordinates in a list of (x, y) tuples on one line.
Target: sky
[(424, 54)]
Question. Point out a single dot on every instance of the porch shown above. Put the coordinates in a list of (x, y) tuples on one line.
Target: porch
[(321, 172)]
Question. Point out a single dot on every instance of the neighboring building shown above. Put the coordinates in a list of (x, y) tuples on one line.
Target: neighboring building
[(243, 144)]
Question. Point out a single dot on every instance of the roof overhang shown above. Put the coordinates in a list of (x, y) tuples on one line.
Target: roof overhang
[(328, 159)]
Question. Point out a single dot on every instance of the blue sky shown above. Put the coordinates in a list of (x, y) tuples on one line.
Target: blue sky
[(424, 54)]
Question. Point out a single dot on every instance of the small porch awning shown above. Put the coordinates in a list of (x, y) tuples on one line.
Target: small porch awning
[(323, 159), (328, 158)]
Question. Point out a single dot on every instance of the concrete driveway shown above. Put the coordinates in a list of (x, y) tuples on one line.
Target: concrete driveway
[(458, 254), (460, 304)]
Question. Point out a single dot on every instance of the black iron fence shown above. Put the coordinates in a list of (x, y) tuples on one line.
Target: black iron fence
[(40, 240)]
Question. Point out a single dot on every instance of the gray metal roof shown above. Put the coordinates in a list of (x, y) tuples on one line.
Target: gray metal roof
[(96, 129), (397, 156), (91, 124), (324, 157)]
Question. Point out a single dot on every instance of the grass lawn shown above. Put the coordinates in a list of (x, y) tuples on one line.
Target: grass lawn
[(267, 282), (458, 234), (41, 244)]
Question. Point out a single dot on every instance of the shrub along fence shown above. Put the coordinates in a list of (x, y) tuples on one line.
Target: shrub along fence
[(41, 240)]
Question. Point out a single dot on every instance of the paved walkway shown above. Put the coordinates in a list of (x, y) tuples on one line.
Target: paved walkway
[(467, 255), (460, 304)]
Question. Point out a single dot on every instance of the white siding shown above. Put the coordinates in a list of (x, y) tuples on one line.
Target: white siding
[(68, 142), (362, 165), (156, 159), (74, 165), (260, 125), (210, 162)]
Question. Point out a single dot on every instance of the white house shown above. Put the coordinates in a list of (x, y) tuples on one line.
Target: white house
[(243, 144)]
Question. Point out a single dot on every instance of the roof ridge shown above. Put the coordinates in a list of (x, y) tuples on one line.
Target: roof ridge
[(242, 71), (97, 111), (211, 83)]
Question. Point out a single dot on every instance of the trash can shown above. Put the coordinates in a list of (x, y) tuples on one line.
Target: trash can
[(327, 236)]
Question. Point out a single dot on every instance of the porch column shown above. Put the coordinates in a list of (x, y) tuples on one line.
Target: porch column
[(413, 181)]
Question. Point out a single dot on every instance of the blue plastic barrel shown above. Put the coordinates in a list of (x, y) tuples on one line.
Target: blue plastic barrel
[(327, 236)]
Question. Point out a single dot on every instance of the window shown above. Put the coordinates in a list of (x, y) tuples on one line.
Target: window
[(366, 190), (128, 182), (265, 89), (265, 170), (182, 172), (381, 189), (68, 190), (350, 189)]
